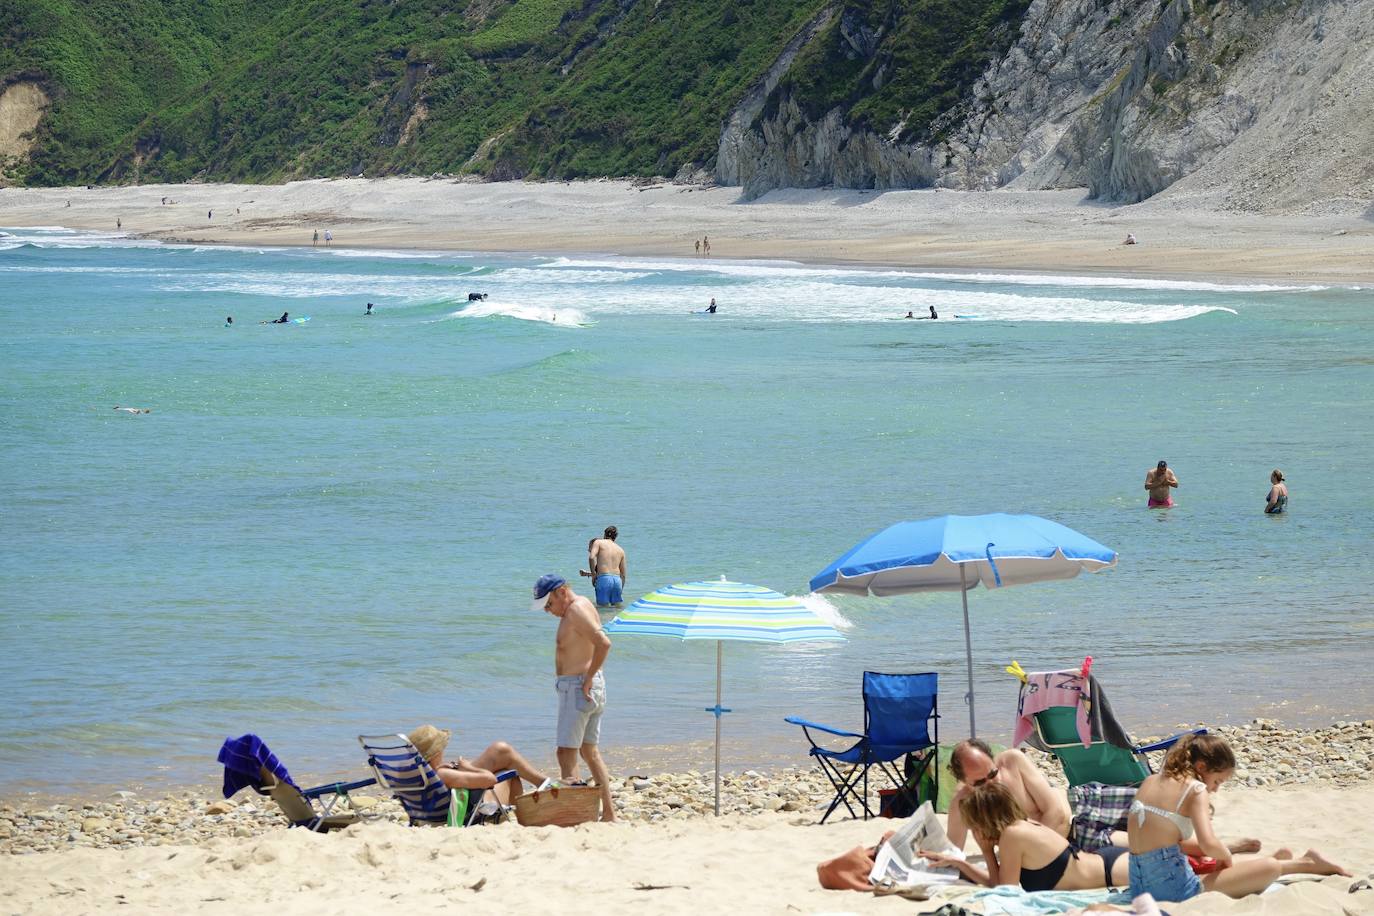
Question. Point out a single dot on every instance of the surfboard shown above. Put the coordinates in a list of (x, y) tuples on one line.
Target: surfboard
[(300, 320)]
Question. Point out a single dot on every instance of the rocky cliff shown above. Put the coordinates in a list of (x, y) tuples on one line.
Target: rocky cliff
[(1256, 103)]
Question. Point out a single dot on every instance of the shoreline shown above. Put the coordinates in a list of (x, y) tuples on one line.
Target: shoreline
[(667, 854), (1047, 232), (1269, 755)]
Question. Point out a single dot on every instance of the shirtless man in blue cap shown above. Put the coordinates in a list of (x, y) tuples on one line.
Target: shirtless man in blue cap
[(579, 654)]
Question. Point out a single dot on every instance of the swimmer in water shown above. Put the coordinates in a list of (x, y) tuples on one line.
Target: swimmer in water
[(229, 322), (711, 309), (368, 313), (285, 317), (929, 317), (908, 315), (134, 409)]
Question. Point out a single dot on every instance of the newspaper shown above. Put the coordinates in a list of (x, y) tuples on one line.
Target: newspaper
[(897, 863)]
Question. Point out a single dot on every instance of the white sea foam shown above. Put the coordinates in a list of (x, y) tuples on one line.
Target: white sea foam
[(795, 269), (822, 607), (563, 317)]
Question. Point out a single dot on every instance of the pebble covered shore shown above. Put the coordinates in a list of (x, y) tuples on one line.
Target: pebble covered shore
[(1269, 755)]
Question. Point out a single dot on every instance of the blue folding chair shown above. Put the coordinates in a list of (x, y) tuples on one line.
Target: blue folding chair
[(900, 714), (249, 763), (401, 770)]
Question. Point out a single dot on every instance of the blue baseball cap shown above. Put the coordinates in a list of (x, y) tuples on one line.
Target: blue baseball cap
[(546, 584)]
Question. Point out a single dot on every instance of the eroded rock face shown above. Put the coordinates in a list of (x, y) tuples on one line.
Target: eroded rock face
[(1123, 97), (22, 105)]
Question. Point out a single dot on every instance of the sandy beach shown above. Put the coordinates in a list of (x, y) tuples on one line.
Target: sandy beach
[(1058, 231), (1295, 788)]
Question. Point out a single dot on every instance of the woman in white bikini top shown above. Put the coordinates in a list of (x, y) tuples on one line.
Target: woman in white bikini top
[(1184, 823)]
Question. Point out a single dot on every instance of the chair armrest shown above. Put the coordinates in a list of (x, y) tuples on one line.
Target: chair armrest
[(505, 775), (794, 720), (1167, 742), (338, 788)]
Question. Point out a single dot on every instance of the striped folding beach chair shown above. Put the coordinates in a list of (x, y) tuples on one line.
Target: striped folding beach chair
[(401, 770)]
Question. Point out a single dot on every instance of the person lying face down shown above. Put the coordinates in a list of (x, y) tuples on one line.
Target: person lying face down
[(1026, 852)]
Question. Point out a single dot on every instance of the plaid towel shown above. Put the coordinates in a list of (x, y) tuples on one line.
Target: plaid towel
[(1098, 809)]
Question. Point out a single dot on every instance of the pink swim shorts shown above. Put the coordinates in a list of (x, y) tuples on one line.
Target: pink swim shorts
[(1167, 503)]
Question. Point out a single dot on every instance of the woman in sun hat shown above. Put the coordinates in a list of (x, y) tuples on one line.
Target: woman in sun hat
[(479, 772)]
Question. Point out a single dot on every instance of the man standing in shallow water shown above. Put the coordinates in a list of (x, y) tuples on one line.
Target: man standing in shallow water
[(580, 652), (606, 561), (1158, 482)]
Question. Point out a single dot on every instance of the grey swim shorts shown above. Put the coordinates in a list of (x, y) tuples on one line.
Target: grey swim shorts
[(579, 721)]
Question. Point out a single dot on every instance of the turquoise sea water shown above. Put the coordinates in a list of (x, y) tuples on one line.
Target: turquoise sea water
[(331, 528)]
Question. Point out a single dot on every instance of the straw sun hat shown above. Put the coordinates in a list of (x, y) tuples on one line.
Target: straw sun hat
[(429, 740)]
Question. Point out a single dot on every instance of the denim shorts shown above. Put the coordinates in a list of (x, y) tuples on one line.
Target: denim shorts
[(1164, 874)]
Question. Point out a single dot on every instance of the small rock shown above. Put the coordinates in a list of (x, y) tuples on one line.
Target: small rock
[(220, 807), (94, 825)]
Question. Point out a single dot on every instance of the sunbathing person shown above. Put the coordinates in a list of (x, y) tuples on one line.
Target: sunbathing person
[(1026, 852), (479, 772), (1172, 804), (973, 764)]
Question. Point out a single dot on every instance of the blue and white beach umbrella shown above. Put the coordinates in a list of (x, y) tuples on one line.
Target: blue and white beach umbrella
[(957, 552), (720, 611)]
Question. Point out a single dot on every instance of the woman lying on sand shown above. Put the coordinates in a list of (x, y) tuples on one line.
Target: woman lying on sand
[(1172, 804), (1028, 853)]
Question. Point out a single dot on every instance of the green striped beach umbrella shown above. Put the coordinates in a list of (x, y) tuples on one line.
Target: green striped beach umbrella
[(720, 611)]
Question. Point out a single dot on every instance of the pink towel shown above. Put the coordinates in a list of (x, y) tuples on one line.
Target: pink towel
[(1054, 688)]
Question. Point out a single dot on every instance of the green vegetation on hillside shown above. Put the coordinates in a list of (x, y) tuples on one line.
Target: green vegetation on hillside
[(250, 90), (926, 57)]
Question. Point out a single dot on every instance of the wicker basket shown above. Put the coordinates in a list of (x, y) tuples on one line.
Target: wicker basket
[(560, 807)]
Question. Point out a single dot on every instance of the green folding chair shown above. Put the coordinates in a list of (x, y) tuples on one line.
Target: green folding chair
[(1099, 762)]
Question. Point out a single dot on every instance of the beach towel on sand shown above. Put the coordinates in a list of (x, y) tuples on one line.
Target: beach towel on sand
[(243, 758), (1011, 900)]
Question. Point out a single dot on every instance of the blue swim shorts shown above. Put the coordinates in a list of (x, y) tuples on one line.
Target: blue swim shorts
[(608, 591)]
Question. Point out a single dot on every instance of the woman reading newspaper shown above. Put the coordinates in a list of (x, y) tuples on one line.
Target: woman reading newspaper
[(1029, 854)]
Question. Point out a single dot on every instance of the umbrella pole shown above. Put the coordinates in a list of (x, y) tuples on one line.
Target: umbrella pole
[(718, 655), (968, 651)]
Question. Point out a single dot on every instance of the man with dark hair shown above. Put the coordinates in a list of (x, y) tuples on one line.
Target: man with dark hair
[(1158, 482), (973, 763), (606, 561)]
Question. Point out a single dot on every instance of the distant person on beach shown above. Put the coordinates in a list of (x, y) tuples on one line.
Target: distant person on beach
[(368, 313), (973, 764), (1129, 239), (328, 236), (209, 214), (696, 246), (711, 309), (315, 239), (1026, 852), (580, 651), (479, 772), (705, 247), (606, 560), (1172, 805), (1158, 482), (119, 223)]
